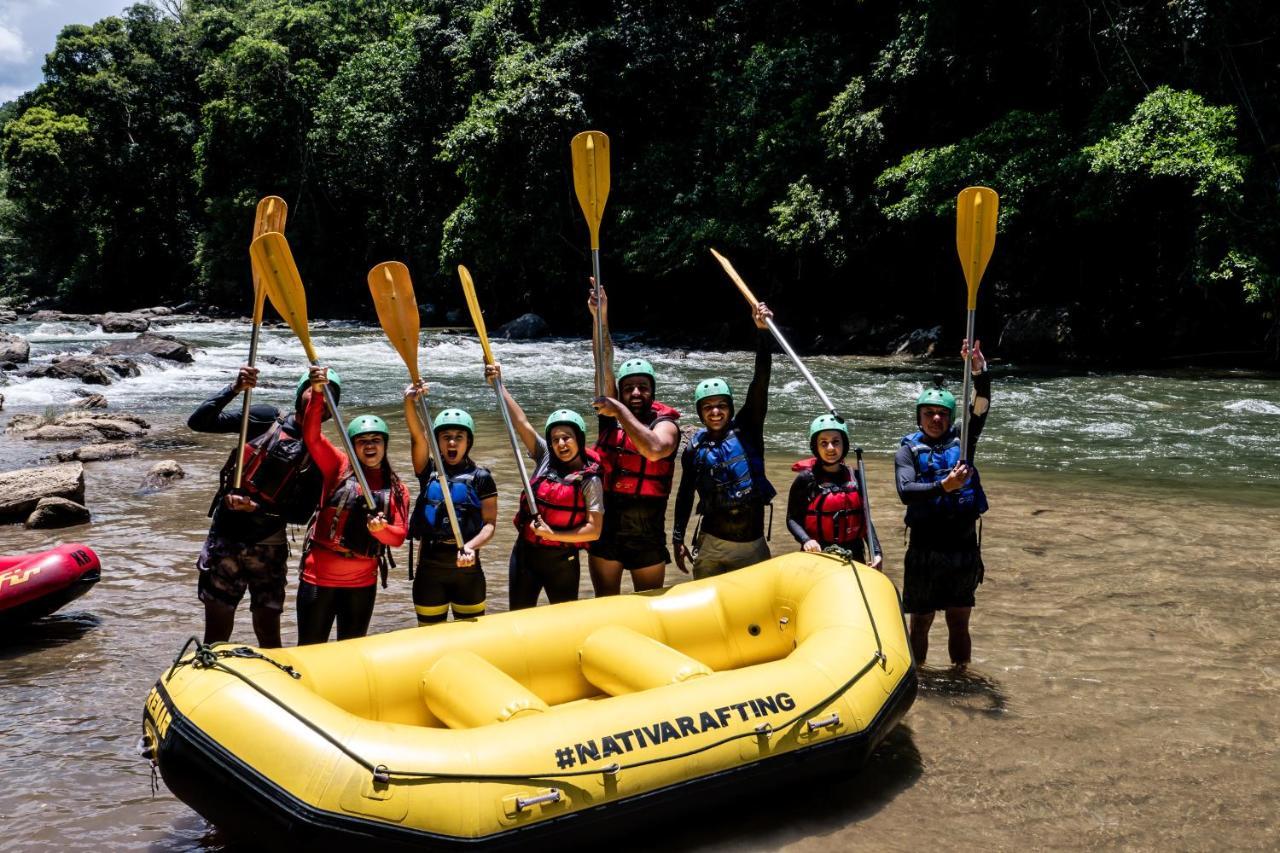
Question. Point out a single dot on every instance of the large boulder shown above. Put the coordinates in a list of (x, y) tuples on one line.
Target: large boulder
[(57, 512), (21, 490), (162, 475), (8, 315), (524, 328), (158, 346), (1038, 334), (14, 348), (158, 311), (89, 369), (98, 452), (113, 322), (90, 401), (921, 342), (87, 426), (47, 316)]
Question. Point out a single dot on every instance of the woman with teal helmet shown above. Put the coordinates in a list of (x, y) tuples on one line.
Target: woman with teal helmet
[(723, 464), (944, 497), (449, 574), (346, 543), (637, 439), (825, 505), (570, 505)]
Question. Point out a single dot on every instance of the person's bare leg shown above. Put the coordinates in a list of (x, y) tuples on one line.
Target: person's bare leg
[(649, 577), (266, 625), (920, 625), (219, 620), (606, 575), (959, 645)]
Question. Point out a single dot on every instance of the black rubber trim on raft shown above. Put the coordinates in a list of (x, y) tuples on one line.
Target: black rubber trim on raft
[(244, 804)]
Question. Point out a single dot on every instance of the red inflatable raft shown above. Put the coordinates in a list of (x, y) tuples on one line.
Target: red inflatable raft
[(35, 585)]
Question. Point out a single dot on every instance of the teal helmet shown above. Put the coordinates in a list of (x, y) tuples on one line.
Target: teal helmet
[(711, 388), (636, 367), (364, 424), (936, 396), (304, 382), (822, 423), (455, 418), (571, 418)]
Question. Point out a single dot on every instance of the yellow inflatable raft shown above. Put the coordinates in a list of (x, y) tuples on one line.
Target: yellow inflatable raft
[(540, 725)]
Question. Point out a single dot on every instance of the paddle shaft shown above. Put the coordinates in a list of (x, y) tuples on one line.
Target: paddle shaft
[(598, 343), (804, 371), (424, 415), (248, 392), (968, 383), (870, 534), (515, 447)]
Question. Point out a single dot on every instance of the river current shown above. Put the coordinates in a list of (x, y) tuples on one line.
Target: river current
[(1124, 687)]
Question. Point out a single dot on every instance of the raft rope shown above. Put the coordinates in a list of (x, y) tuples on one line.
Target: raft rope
[(210, 657)]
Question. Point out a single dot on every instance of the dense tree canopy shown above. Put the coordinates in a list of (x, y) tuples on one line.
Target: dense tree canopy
[(819, 144)]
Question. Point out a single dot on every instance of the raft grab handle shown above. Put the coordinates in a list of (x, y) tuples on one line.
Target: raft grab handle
[(832, 719), (551, 796)]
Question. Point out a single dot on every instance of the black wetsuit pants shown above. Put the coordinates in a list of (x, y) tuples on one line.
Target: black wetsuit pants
[(320, 606), (534, 569), (439, 584)]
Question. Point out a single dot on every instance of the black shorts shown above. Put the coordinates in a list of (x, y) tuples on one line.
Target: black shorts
[(935, 579), (228, 568), (633, 533), (534, 569), (440, 583)]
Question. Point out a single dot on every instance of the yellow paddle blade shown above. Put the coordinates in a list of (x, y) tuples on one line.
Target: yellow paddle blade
[(270, 216), (279, 274), (976, 212), (473, 304), (397, 308), (591, 177), (737, 279)]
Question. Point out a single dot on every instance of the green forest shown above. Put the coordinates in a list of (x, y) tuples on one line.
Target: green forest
[(818, 144)]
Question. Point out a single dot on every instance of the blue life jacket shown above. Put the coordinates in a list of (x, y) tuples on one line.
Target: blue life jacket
[(726, 475), (933, 464), (430, 519)]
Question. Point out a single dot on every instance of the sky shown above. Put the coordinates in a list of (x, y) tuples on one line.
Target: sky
[(28, 29)]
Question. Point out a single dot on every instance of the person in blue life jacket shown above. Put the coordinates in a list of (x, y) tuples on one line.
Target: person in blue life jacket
[(449, 575), (723, 464), (944, 497), (825, 506), (246, 549)]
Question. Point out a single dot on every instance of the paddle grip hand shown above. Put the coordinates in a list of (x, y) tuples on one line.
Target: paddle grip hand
[(606, 406), (591, 298), (761, 315), (414, 391), (979, 360), (377, 523), (681, 554), (540, 527), (492, 372), (466, 557), (318, 376), (247, 377), (958, 478), (812, 546), (240, 503)]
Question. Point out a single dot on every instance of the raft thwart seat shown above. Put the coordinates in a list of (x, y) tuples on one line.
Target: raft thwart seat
[(620, 660), (466, 691)]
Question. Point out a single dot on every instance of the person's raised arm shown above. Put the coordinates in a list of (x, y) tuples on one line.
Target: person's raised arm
[(419, 446), (752, 412), (610, 384), (329, 460), (528, 435)]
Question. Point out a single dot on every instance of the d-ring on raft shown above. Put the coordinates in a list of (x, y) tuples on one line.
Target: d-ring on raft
[(540, 726)]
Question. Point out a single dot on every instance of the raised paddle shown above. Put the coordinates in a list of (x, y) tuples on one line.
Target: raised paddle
[(870, 534), (397, 307), (270, 254), (271, 215), (782, 342), (590, 150), (976, 212), (469, 289)]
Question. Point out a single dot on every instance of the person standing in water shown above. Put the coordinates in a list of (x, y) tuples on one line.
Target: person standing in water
[(944, 498), (724, 464), (449, 575), (637, 441), (825, 505), (570, 511), (347, 543), (246, 548)]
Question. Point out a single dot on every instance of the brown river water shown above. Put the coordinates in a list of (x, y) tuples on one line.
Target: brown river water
[(1123, 693)]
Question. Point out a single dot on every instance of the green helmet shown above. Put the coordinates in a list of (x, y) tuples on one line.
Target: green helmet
[(570, 417), (711, 388), (636, 367), (362, 424), (822, 423), (304, 381), (936, 396), (454, 418)]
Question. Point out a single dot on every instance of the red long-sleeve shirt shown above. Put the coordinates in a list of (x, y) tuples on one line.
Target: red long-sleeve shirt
[(323, 567)]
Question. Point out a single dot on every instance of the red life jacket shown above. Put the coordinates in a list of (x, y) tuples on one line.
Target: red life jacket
[(626, 470), (277, 474), (561, 503), (341, 525), (834, 515)]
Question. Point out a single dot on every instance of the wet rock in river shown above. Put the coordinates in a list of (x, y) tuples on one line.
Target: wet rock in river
[(8, 315), (98, 452), (91, 370), (87, 426), (162, 475), (921, 342), (113, 322), (21, 490), (14, 348), (90, 401), (1038, 334), (57, 512), (159, 346), (525, 327)]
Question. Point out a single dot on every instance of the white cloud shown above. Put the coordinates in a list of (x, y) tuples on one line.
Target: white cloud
[(12, 48), (28, 29)]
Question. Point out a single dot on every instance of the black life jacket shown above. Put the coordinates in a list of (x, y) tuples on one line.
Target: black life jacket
[(341, 525), (278, 474)]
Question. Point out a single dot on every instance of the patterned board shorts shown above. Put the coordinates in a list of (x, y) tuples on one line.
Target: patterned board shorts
[(228, 568)]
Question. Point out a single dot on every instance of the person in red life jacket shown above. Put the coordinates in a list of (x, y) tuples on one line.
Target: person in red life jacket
[(246, 548), (723, 464), (570, 512), (346, 543), (637, 441), (944, 496), (448, 575), (825, 504)]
